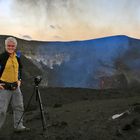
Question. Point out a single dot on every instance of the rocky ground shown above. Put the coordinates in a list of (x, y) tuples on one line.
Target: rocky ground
[(80, 114)]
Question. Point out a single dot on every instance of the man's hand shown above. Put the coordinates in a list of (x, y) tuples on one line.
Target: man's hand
[(1, 86), (19, 83)]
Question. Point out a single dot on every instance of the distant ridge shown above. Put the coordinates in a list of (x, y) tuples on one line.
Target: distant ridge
[(106, 37)]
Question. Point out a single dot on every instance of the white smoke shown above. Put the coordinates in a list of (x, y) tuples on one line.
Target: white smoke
[(49, 61)]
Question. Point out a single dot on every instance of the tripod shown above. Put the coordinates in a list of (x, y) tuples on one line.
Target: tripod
[(38, 98)]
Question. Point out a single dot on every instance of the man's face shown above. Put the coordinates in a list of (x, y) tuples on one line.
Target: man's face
[(10, 47)]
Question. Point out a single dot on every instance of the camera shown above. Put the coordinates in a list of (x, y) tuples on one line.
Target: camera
[(37, 80)]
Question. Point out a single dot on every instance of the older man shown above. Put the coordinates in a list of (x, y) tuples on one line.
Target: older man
[(10, 81)]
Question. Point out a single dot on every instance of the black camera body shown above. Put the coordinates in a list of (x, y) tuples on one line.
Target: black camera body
[(37, 80)]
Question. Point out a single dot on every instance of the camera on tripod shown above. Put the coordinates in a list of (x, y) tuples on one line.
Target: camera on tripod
[(36, 91), (37, 80)]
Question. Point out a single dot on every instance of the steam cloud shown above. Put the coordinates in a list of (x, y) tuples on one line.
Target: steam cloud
[(50, 60)]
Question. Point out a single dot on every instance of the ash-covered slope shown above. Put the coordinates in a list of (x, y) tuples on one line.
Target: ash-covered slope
[(81, 114)]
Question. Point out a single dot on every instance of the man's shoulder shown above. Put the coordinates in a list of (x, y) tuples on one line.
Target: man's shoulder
[(3, 55)]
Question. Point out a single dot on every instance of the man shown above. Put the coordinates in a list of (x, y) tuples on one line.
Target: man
[(10, 81)]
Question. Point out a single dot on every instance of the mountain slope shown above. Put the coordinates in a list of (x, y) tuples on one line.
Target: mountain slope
[(110, 62)]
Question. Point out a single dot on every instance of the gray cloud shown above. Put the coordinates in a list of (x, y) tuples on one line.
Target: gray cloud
[(78, 9), (94, 16), (48, 10), (57, 37), (25, 37), (55, 27), (52, 26)]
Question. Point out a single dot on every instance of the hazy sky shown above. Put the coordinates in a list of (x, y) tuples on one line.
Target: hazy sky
[(69, 19)]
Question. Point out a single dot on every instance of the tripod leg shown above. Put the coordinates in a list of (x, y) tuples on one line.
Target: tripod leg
[(26, 107), (41, 109)]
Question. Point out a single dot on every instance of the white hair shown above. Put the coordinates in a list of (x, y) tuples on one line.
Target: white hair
[(12, 39)]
